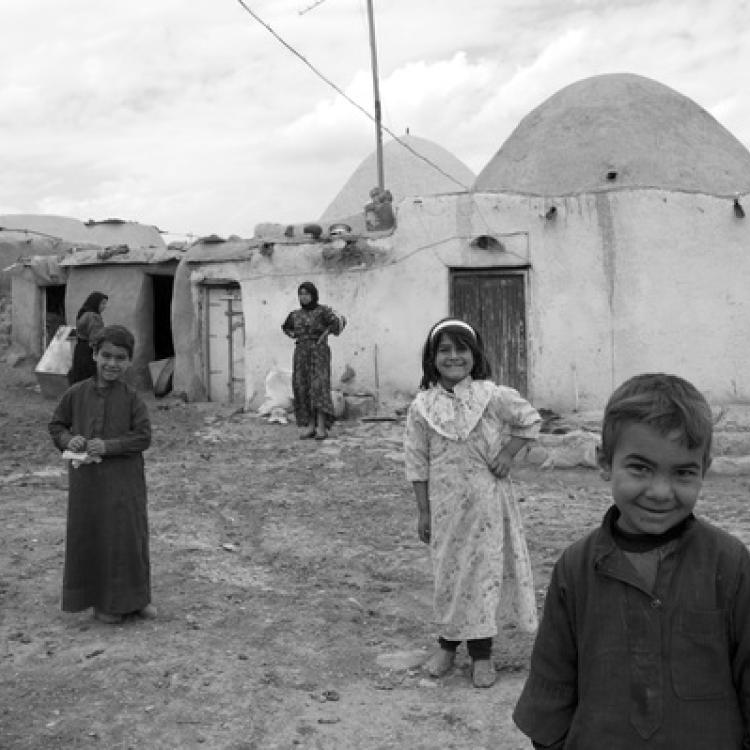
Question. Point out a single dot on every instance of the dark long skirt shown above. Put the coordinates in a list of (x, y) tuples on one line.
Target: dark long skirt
[(107, 562), (83, 362), (311, 382)]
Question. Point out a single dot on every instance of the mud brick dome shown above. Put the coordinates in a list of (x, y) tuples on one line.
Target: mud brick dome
[(618, 131)]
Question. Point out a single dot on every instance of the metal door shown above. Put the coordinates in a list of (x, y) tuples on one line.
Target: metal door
[(225, 344), (494, 302)]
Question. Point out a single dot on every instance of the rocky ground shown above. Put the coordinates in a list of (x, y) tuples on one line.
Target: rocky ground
[(294, 596)]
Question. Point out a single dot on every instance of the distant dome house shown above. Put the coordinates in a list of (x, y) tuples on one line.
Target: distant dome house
[(57, 261), (407, 174), (638, 259), (219, 284), (606, 237)]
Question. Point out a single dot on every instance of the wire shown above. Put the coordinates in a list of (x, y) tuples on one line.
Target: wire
[(310, 7), (351, 101), (30, 231)]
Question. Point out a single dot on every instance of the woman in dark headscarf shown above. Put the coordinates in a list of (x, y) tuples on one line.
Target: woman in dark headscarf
[(88, 322), (311, 376)]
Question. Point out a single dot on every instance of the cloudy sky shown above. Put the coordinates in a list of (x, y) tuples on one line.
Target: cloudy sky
[(190, 115)]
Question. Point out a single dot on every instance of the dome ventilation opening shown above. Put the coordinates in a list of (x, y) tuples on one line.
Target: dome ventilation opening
[(487, 242), (612, 175)]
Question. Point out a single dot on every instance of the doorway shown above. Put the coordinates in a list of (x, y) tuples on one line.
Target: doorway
[(494, 302), (162, 289), (53, 312), (224, 343)]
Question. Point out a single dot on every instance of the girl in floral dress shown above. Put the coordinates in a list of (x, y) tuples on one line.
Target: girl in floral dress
[(462, 433), (310, 327)]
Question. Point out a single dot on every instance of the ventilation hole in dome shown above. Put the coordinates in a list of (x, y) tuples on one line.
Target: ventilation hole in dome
[(612, 175), (486, 242)]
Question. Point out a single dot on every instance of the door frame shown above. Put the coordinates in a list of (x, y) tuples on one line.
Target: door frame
[(206, 286), (521, 271)]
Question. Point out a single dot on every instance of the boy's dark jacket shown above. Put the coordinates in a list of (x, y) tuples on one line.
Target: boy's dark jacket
[(617, 667)]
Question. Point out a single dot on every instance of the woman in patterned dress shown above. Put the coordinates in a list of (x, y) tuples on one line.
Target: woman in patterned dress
[(462, 433), (310, 326), (88, 323)]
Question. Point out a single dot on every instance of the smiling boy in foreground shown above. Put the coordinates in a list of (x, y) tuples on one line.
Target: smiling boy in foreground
[(645, 637)]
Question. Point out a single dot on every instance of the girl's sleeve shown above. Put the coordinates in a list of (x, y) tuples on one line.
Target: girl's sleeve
[(61, 422), (89, 324), (138, 438), (521, 417), (333, 321), (95, 326), (416, 447), (288, 325)]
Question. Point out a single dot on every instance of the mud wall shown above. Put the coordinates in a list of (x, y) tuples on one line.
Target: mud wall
[(619, 282)]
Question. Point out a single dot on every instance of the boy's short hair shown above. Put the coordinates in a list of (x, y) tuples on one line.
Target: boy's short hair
[(668, 403), (115, 335)]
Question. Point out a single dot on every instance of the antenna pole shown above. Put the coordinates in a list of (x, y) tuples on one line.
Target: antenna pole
[(376, 95)]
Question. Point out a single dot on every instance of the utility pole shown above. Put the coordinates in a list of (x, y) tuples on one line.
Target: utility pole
[(376, 95)]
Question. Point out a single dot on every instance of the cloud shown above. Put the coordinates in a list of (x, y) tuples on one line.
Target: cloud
[(193, 117)]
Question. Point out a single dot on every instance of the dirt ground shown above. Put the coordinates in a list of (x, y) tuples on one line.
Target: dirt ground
[(294, 596)]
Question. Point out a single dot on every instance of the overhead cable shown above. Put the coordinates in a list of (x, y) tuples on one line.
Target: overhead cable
[(351, 101)]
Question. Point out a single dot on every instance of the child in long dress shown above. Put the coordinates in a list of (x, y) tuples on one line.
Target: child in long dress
[(105, 422), (645, 637), (462, 433)]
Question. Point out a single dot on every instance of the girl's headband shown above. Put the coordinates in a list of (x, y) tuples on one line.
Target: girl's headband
[(453, 323)]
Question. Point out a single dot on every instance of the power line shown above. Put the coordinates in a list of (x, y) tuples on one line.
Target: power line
[(351, 101), (310, 7)]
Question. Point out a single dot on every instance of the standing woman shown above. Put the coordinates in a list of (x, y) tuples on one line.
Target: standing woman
[(311, 370), (88, 322)]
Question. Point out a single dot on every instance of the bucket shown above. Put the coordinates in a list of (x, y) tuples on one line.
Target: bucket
[(52, 369)]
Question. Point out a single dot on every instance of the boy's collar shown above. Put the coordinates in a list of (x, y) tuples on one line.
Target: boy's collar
[(612, 537), (630, 542)]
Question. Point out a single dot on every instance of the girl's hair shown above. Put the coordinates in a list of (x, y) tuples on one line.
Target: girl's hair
[(311, 289), (463, 334), (92, 303), (666, 403), (115, 335)]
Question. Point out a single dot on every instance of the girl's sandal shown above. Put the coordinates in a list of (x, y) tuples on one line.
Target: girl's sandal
[(149, 612), (307, 435), (321, 435), (107, 618), (483, 673), (440, 662)]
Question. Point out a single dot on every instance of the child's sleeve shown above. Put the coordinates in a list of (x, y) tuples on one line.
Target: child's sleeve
[(61, 422), (549, 698), (416, 447), (740, 614), (521, 417), (138, 437)]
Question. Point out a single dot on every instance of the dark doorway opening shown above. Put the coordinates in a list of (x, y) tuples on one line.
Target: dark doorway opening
[(54, 312), (163, 287)]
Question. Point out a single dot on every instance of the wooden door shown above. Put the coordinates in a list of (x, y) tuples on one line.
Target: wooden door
[(225, 344), (494, 302)]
